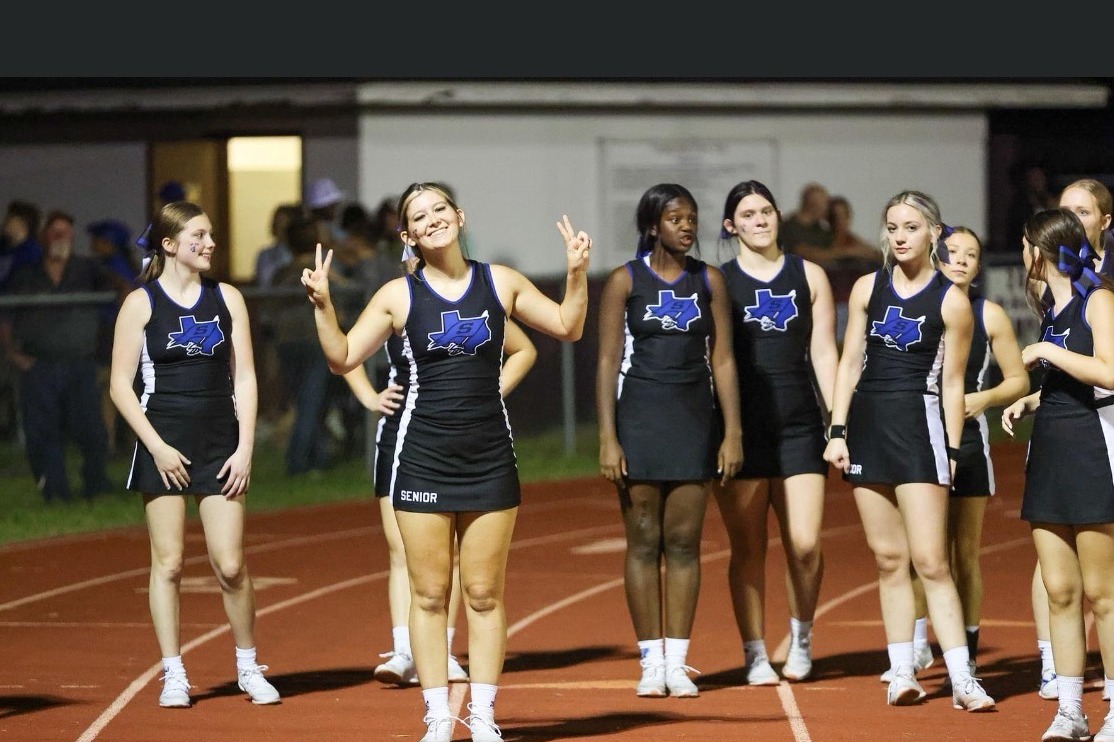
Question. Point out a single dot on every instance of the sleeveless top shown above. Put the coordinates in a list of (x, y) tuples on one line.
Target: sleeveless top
[(187, 351), (667, 325), (772, 322), (454, 423), (904, 352), (1069, 329)]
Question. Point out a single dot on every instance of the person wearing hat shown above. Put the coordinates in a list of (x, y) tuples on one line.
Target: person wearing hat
[(323, 200), (171, 191)]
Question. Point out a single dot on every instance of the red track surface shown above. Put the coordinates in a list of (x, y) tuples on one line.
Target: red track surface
[(78, 658)]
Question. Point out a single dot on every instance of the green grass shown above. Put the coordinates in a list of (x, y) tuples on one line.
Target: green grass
[(24, 515)]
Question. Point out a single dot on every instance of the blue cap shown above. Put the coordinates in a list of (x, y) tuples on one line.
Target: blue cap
[(113, 230), (172, 190)]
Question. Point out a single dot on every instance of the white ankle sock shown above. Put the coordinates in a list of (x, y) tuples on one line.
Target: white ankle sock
[(436, 702), (173, 664), (920, 633), (401, 636), (483, 695), (245, 658), (901, 654), (676, 650), (752, 650), (651, 650)]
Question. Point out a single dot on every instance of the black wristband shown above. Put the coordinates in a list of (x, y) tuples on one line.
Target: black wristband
[(837, 431), (953, 453)]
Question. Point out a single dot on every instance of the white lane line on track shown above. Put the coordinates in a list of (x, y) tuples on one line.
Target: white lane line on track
[(138, 684), (258, 549)]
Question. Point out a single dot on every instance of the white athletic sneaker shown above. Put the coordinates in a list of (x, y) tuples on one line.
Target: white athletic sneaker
[(1048, 689), (481, 721), (252, 682), (457, 674), (761, 672), (175, 690), (1106, 734), (798, 663), (438, 729), (1105, 692), (970, 696), (397, 670), (922, 658), (1067, 727), (677, 681), (652, 684), (904, 690)]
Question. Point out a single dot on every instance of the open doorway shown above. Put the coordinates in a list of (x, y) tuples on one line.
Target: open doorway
[(238, 181)]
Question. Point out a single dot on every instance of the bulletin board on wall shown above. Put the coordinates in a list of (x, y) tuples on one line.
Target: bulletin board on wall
[(709, 168)]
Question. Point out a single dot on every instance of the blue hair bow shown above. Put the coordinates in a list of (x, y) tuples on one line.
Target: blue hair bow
[(941, 248), (142, 240), (1078, 267)]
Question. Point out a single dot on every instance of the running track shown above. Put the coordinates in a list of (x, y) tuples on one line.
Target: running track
[(78, 659)]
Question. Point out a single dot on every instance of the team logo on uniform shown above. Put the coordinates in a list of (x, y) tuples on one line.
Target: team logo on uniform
[(772, 311), (897, 330), (196, 337), (460, 335), (674, 312), (1049, 336)]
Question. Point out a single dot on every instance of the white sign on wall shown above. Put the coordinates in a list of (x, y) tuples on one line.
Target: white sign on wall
[(1005, 285), (709, 168)]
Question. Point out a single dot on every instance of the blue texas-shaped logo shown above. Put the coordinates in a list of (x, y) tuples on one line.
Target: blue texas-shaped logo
[(196, 337), (897, 330), (674, 312), (460, 335), (772, 311)]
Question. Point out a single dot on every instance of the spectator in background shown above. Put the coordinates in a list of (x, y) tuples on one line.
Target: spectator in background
[(323, 200), (301, 360), (388, 241), (1031, 195), (277, 254), (806, 232), (847, 248), (170, 191), (52, 346), (19, 244), (111, 246)]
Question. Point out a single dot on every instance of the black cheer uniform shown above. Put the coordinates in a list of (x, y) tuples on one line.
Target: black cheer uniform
[(783, 426), (666, 416), (454, 450), (895, 424), (187, 395), (1069, 467), (974, 471), (386, 430)]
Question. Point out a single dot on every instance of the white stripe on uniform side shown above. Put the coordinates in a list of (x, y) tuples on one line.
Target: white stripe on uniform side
[(938, 438), (984, 433), (406, 412), (1106, 420)]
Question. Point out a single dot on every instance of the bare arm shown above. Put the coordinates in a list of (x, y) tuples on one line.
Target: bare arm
[(1007, 354), (726, 378), (385, 402), (822, 349), (564, 320), (613, 304), (850, 367), (127, 345), (1097, 369), (385, 313), (236, 471), (519, 354), (958, 324)]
